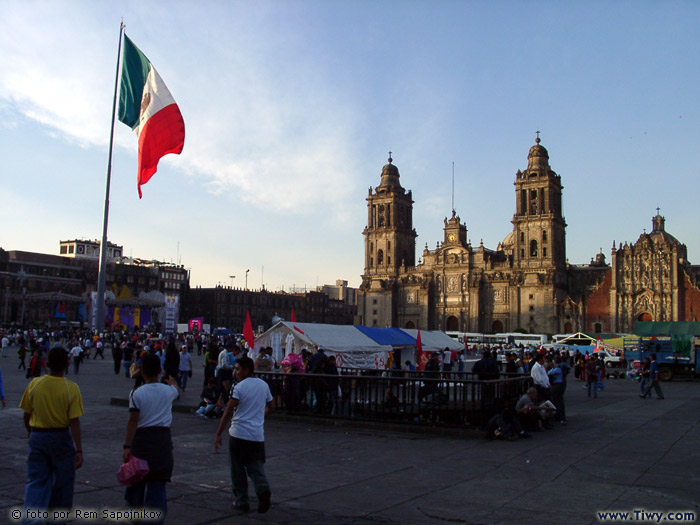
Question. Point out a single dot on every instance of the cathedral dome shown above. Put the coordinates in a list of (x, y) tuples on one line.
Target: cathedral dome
[(509, 241), (390, 175), (538, 157)]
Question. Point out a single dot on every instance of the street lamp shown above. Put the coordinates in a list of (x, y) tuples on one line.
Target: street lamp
[(232, 277), (246, 278)]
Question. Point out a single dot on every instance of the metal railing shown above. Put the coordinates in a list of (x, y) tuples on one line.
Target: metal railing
[(412, 399)]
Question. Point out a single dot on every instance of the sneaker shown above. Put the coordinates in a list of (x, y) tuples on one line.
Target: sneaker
[(264, 502)]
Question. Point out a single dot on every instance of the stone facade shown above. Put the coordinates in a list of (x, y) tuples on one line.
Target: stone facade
[(526, 283)]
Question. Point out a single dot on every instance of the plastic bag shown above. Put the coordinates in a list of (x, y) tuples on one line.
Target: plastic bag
[(132, 471)]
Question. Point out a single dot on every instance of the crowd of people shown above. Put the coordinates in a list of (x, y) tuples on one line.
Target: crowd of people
[(161, 369)]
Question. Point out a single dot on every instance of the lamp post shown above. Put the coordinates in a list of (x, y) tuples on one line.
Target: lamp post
[(232, 277), (246, 278)]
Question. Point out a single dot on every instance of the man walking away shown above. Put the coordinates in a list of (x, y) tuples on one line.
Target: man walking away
[(654, 378), (52, 407), (252, 401)]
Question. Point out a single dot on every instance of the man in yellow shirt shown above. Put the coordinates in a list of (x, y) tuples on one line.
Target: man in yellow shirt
[(52, 407)]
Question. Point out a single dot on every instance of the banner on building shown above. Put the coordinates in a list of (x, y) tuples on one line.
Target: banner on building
[(172, 306)]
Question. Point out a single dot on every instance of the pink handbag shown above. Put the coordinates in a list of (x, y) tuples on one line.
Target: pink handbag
[(132, 471)]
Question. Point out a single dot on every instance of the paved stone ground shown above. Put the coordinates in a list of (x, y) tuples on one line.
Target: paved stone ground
[(618, 452)]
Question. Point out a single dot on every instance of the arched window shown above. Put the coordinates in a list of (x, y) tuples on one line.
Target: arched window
[(380, 257), (371, 247), (522, 236), (533, 248), (544, 235)]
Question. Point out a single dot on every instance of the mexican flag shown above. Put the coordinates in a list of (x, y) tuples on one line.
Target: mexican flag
[(146, 105)]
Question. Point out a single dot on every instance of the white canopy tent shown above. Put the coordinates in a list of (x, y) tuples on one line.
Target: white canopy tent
[(351, 347)]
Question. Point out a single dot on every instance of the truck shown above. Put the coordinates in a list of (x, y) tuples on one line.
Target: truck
[(675, 356)]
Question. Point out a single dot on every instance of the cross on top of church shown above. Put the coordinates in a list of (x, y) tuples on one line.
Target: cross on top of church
[(537, 140), (390, 159), (658, 210)]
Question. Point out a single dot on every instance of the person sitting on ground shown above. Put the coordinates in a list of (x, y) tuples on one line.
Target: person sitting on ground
[(530, 414), (210, 395), (505, 424)]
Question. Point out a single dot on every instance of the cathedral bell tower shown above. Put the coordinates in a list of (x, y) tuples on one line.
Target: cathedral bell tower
[(538, 224), (390, 245), (390, 240)]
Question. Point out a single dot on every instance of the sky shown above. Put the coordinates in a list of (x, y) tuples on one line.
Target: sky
[(291, 109)]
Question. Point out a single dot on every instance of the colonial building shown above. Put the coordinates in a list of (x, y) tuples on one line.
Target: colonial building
[(526, 283), (224, 306), (38, 289)]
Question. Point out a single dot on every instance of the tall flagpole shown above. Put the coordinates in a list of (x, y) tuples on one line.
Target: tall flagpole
[(102, 277)]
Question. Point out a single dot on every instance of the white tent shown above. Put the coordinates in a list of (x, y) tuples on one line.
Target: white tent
[(434, 340), (352, 348)]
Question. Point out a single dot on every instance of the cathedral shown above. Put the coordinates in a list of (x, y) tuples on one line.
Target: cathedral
[(526, 283)]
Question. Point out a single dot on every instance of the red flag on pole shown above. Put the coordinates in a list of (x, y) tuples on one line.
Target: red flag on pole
[(422, 357), (294, 317), (248, 331)]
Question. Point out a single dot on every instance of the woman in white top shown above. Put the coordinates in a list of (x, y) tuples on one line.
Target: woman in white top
[(148, 436)]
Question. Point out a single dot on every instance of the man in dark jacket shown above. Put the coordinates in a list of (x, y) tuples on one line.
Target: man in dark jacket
[(486, 368)]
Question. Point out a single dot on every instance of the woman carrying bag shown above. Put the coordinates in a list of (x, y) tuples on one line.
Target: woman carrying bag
[(148, 436)]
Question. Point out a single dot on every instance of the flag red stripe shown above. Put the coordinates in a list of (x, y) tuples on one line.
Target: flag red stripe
[(248, 331), (163, 133)]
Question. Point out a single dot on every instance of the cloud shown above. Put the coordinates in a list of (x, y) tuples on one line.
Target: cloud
[(276, 138)]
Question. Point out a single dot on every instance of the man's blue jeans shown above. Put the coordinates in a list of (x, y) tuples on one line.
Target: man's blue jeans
[(148, 495), (241, 471), (50, 471)]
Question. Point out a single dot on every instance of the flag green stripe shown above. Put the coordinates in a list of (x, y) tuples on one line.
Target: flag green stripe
[(135, 69)]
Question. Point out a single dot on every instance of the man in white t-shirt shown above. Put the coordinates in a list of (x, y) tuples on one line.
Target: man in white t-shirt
[(76, 354), (184, 368), (5, 345), (252, 401)]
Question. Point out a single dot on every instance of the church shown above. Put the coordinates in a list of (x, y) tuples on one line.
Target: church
[(526, 283)]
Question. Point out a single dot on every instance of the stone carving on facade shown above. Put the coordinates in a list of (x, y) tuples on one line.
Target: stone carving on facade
[(645, 303), (452, 285)]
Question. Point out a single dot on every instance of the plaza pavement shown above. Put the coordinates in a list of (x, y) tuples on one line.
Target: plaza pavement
[(618, 452)]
